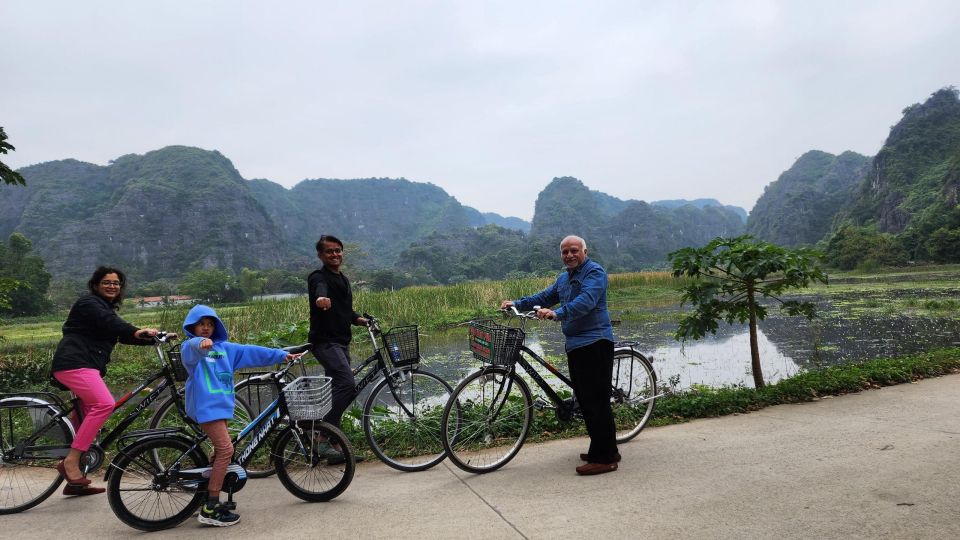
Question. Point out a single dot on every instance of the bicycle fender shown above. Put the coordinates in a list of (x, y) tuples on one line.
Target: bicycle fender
[(40, 403)]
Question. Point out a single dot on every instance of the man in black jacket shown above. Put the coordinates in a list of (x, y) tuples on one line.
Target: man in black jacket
[(331, 314)]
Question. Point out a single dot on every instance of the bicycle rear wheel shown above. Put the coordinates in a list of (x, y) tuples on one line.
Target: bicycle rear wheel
[(28, 475), (306, 464), (401, 419), (487, 419), (143, 487), (634, 391)]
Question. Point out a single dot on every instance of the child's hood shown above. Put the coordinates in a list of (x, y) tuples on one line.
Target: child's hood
[(199, 311)]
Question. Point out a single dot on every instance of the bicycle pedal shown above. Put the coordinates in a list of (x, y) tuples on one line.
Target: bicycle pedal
[(541, 405)]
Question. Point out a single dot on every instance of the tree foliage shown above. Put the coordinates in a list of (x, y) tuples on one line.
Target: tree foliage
[(8, 175), (731, 277), (212, 286), (23, 279)]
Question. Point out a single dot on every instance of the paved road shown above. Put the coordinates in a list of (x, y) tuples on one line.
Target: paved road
[(879, 464)]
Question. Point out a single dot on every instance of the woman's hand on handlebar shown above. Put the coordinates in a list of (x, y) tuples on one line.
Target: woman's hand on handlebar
[(147, 333)]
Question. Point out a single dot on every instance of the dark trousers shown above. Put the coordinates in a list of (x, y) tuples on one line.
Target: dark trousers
[(591, 370), (335, 359)]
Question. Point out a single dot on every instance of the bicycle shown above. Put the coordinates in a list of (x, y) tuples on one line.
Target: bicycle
[(401, 414), (37, 428), (158, 478), (495, 406)]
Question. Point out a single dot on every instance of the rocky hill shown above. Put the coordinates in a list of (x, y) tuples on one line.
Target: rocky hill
[(799, 207)]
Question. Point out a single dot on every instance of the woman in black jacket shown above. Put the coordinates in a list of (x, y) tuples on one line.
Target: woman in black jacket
[(80, 362)]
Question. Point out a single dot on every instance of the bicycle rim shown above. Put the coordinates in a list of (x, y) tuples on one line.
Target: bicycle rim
[(401, 420), (306, 464), (634, 388), (495, 413), (143, 489), (27, 478)]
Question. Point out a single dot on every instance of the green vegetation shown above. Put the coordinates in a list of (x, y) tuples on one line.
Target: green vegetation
[(23, 279), (730, 278), (8, 175), (701, 402)]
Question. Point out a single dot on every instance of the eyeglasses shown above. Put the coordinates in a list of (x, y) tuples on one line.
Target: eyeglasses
[(333, 251), (110, 283)]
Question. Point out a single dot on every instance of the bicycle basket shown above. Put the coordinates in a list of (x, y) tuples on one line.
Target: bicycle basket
[(179, 372), (495, 343), (402, 346), (308, 398)]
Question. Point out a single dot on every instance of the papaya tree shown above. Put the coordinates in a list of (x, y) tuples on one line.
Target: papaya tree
[(734, 279)]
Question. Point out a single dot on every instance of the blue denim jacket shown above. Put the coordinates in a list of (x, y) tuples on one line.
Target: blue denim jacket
[(583, 304)]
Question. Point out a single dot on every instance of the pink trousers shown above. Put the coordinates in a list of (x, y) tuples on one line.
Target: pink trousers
[(96, 402)]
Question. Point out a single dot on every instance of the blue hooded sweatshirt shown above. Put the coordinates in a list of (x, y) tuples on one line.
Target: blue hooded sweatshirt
[(209, 390)]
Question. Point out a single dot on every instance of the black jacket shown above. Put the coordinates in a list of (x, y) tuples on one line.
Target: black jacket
[(332, 325), (89, 335)]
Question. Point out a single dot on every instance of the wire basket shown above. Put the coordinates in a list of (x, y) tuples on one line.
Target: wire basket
[(403, 346), (495, 343), (308, 398), (176, 360)]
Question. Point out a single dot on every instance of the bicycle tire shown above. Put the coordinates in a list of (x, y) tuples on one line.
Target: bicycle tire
[(634, 387), (144, 494), (27, 481), (493, 421), (401, 419), (303, 466)]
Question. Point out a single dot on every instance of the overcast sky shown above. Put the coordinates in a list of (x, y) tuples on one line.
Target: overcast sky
[(489, 100)]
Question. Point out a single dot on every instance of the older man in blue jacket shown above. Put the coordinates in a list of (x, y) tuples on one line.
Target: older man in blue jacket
[(581, 292)]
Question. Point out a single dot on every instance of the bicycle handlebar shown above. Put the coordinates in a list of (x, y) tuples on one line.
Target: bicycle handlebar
[(163, 337), (512, 310)]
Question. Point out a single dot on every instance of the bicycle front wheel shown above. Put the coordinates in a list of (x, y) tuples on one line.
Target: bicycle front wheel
[(144, 487), (487, 419), (314, 460), (634, 393), (401, 419), (32, 441)]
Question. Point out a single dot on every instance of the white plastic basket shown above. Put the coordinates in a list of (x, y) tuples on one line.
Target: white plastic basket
[(308, 398)]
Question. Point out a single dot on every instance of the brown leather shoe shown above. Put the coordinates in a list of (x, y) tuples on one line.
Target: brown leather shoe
[(74, 481), (596, 468), (586, 457), (80, 491)]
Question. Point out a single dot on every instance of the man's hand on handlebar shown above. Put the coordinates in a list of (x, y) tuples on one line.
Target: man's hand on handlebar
[(546, 314)]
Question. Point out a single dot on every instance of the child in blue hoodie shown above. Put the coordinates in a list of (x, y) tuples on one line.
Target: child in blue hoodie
[(210, 361)]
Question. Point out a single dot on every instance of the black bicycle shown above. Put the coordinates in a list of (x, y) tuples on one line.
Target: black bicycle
[(489, 415), (37, 428), (401, 414), (159, 477)]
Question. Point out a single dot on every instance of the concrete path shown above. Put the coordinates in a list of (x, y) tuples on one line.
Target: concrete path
[(879, 464)]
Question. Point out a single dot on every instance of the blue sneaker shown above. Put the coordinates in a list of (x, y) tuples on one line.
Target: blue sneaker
[(218, 516)]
